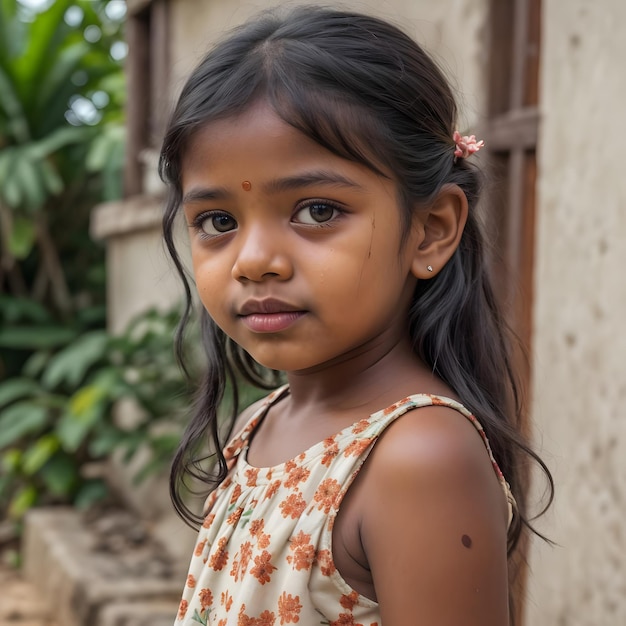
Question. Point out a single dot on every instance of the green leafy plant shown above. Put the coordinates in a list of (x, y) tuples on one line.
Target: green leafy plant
[(61, 152), (59, 417)]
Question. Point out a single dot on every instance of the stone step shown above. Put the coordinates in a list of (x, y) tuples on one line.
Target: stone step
[(90, 574), (20, 604)]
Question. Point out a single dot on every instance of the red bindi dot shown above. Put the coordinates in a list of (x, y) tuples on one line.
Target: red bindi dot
[(466, 540), (247, 185)]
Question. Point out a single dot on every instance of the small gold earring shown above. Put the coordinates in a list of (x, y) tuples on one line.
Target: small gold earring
[(429, 268)]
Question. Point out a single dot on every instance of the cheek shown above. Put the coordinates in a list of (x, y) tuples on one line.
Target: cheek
[(209, 281)]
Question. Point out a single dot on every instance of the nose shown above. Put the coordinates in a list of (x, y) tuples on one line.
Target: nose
[(262, 254)]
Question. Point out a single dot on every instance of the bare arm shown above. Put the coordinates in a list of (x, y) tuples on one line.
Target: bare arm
[(434, 524)]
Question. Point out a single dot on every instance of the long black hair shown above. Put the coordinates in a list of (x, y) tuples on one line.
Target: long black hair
[(367, 92)]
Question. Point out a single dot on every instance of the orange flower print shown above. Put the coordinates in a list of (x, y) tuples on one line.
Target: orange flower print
[(437, 401), (210, 501), (297, 475), (243, 619), (293, 505), (303, 552), (390, 409), (251, 476), (182, 609), (290, 465), (289, 608), (222, 622), (241, 560), (357, 447), (200, 547), (208, 520), (233, 518), (272, 489), (326, 494), (256, 530), (262, 569), (330, 452), (349, 601), (266, 618), (360, 426), (236, 493), (325, 560), (220, 557), (191, 581), (256, 527), (206, 598), (345, 620), (226, 600)]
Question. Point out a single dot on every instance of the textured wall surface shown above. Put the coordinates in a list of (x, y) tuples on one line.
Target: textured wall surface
[(452, 30), (580, 313)]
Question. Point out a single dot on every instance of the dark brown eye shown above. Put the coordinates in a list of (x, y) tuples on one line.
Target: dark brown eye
[(217, 224), (316, 213)]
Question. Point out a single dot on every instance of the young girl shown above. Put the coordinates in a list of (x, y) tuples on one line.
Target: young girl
[(332, 219)]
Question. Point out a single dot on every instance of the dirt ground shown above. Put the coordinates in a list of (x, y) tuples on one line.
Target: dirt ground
[(19, 604)]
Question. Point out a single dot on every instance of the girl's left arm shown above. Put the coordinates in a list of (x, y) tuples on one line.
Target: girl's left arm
[(434, 524)]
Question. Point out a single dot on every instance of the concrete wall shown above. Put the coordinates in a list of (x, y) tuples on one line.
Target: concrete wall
[(579, 347), (453, 30)]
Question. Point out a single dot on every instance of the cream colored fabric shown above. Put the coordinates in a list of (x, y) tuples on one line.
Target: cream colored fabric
[(264, 554)]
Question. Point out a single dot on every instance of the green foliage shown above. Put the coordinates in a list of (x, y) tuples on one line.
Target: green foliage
[(62, 93), (59, 417)]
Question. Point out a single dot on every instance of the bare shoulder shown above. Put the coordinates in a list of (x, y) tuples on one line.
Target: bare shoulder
[(434, 523), (434, 442)]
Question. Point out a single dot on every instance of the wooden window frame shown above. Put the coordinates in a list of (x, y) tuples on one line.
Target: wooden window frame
[(511, 137), (147, 71)]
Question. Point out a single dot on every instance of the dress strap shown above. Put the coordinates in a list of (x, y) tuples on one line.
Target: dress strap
[(240, 439)]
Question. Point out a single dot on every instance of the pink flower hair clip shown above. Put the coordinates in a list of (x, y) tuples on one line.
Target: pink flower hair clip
[(466, 145)]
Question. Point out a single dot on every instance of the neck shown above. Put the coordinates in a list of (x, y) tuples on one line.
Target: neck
[(370, 375)]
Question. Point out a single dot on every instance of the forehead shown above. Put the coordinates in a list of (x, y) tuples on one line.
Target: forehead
[(258, 144), (256, 132)]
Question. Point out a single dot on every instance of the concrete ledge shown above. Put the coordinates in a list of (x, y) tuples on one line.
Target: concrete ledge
[(83, 584), (126, 216), (138, 614)]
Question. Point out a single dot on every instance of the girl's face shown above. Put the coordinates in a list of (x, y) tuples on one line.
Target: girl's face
[(296, 252)]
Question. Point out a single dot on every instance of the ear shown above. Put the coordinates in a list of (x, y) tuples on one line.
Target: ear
[(439, 228)]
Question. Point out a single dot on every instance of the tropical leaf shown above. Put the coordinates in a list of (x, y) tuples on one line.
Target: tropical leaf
[(85, 410), (19, 420), (60, 474), (12, 108), (22, 237), (17, 388), (39, 453), (71, 364), (24, 499), (35, 337)]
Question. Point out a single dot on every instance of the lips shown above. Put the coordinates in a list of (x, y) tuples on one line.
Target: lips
[(267, 306), (269, 315)]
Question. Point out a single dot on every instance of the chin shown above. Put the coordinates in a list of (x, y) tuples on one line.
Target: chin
[(278, 360)]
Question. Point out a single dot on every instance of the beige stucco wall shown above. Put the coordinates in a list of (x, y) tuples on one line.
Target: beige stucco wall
[(453, 30), (579, 347)]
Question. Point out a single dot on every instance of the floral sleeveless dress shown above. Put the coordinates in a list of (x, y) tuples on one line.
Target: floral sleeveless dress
[(264, 553)]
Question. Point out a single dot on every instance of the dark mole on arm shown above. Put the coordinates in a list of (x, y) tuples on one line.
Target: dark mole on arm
[(466, 540)]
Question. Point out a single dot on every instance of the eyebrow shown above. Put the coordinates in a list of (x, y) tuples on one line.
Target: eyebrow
[(278, 185)]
